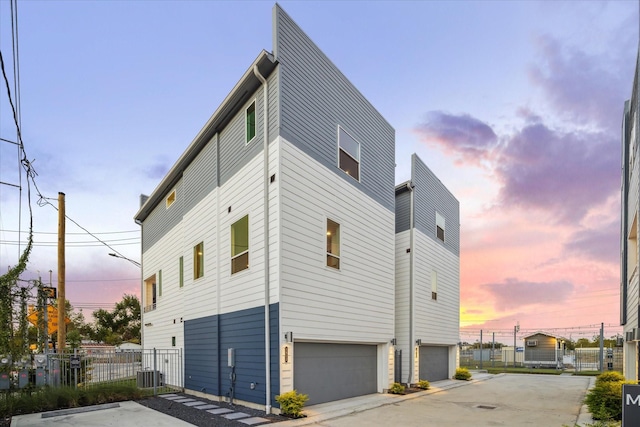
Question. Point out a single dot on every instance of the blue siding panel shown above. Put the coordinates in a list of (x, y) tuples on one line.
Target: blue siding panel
[(207, 341), (161, 220), (403, 211)]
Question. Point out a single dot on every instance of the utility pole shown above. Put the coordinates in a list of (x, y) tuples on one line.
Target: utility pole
[(515, 331), (62, 327), (601, 347)]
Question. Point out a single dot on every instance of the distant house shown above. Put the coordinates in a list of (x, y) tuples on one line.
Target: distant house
[(543, 350), (128, 347)]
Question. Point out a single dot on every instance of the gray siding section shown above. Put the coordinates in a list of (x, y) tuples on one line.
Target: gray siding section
[(315, 97), (201, 177), (207, 341), (161, 219), (328, 372), (431, 196), (403, 211)]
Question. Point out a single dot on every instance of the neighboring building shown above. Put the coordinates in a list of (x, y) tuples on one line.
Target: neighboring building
[(542, 350), (629, 289), (427, 277), (268, 249)]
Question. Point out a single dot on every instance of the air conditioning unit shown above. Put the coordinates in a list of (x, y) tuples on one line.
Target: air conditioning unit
[(629, 336), (532, 343)]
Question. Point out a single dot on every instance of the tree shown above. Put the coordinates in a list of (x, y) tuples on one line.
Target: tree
[(120, 325)]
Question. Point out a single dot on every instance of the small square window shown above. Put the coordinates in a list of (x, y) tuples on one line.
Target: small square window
[(333, 244), (171, 199), (349, 155), (198, 260), (240, 245), (251, 121)]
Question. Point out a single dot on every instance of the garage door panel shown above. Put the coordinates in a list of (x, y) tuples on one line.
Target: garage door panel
[(328, 372), (434, 363)]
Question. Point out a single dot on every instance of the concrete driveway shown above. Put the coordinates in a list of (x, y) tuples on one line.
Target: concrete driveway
[(503, 400)]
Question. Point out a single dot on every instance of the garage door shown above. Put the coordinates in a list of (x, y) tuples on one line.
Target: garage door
[(434, 363), (329, 372)]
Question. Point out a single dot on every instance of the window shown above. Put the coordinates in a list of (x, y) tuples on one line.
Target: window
[(333, 244), (173, 341), (198, 261), (440, 226), (181, 271), (251, 121), (150, 294), (171, 198), (632, 248), (434, 285), (240, 245), (160, 283), (349, 154)]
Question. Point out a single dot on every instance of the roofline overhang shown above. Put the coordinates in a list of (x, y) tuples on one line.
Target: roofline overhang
[(240, 93)]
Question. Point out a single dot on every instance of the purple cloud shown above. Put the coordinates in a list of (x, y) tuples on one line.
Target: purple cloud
[(566, 173), (580, 85), (596, 243), (512, 293), (157, 171), (463, 134)]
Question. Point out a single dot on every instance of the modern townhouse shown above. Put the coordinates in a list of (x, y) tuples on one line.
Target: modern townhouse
[(268, 249)]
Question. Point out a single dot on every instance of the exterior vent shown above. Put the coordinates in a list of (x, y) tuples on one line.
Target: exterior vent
[(532, 343), (628, 336)]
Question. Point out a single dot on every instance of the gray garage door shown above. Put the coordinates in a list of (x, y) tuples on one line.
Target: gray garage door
[(434, 363), (329, 372)]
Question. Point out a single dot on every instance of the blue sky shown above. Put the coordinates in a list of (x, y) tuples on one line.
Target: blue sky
[(516, 106)]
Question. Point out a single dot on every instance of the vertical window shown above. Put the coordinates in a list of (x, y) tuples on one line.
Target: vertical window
[(181, 271), (333, 244), (632, 248), (150, 294), (171, 198), (240, 245), (440, 226), (434, 285), (198, 260), (173, 341), (251, 121), (160, 283), (349, 154)]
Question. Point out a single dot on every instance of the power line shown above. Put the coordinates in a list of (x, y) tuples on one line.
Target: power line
[(81, 234)]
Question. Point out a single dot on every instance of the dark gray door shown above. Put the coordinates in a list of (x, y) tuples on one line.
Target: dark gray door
[(329, 372), (434, 363)]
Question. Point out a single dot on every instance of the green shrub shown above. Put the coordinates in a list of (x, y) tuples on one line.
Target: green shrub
[(396, 388), (462, 374), (423, 384), (610, 376), (605, 400), (291, 403)]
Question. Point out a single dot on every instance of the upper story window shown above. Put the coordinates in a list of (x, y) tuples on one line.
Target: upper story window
[(333, 244), (251, 121), (171, 199), (632, 248), (434, 285), (181, 271), (198, 260), (240, 245), (150, 294), (440, 226), (349, 157)]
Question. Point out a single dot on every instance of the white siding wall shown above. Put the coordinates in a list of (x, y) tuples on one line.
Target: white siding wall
[(436, 321), (355, 303), (402, 309), (633, 289)]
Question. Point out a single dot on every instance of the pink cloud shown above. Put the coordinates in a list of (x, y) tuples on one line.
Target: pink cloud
[(513, 294)]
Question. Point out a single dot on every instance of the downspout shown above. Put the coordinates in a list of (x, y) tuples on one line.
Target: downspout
[(267, 337), (410, 186)]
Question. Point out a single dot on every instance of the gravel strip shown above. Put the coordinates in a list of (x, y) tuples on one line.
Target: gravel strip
[(203, 418)]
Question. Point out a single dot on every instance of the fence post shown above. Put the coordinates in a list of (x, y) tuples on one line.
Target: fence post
[(155, 372)]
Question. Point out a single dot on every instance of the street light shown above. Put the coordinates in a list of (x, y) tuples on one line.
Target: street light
[(136, 263)]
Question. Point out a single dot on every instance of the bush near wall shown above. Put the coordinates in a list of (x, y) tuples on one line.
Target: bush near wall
[(605, 399)]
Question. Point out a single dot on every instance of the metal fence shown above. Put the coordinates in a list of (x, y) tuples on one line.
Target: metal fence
[(578, 360), (157, 369)]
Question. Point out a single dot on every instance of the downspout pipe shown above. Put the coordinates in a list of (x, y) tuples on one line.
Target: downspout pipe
[(410, 187), (267, 321)]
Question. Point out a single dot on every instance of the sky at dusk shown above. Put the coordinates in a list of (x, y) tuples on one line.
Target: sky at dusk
[(516, 107)]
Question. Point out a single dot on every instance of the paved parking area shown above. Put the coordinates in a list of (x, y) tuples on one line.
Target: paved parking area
[(503, 400)]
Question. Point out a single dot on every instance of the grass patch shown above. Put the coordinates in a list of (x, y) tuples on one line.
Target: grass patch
[(511, 370), (30, 401)]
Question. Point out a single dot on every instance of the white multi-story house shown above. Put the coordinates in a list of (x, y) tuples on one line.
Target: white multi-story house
[(629, 289), (427, 277), (268, 249)]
